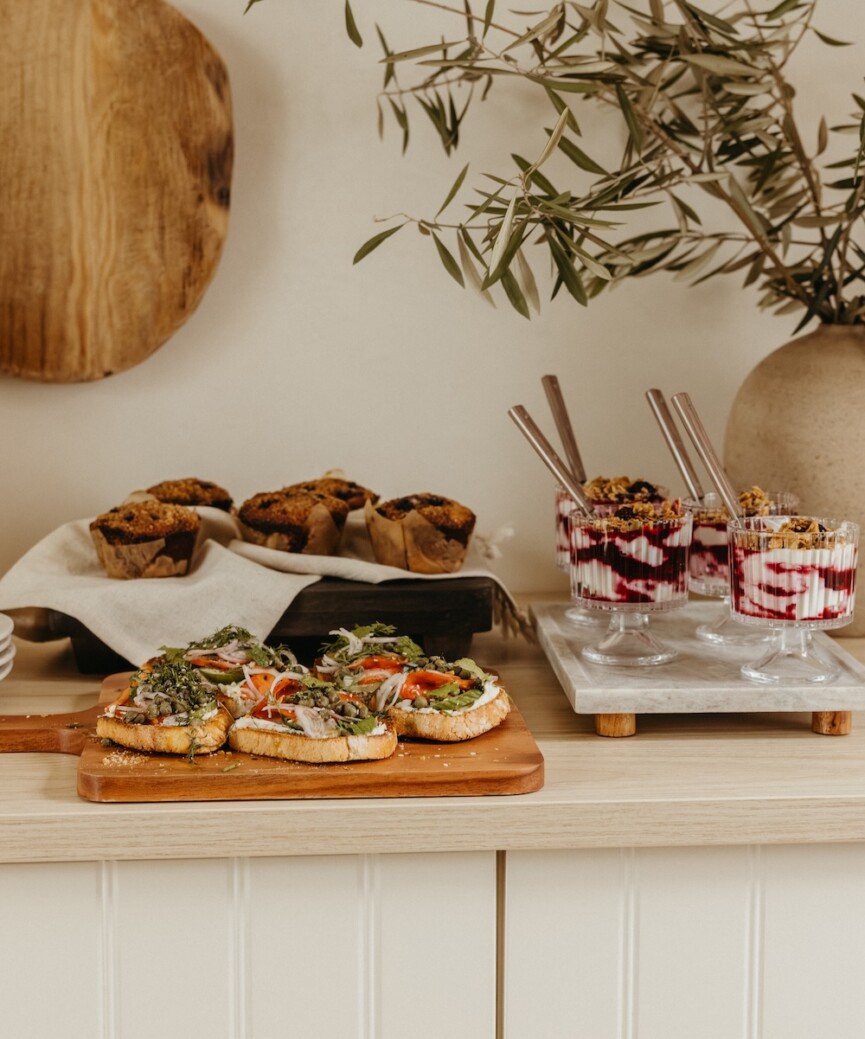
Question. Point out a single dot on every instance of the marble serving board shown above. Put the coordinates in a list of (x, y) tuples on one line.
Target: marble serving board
[(702, 679)]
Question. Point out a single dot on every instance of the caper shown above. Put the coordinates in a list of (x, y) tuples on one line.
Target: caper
[(349, 710), (152, 712), (420, 701), (165, 708), (362, 711)]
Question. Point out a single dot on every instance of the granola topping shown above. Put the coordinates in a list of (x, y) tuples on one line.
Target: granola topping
[(619, 489), (753, 502), (804, 532), (637, 514)]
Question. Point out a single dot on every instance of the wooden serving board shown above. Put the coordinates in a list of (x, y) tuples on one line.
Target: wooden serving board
[(505, 760), (115, 175)]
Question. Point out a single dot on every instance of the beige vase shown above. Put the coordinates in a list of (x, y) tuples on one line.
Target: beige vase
[(798, 423)]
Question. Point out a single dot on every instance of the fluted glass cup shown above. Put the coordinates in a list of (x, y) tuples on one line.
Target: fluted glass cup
[(708, 565), (793, 576), (627, 567), (566, 506)]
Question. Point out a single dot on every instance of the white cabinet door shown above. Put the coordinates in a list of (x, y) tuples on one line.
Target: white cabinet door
[(686, 943), (359, 947)]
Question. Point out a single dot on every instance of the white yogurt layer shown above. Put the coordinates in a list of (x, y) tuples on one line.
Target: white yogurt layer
[(709, 535)]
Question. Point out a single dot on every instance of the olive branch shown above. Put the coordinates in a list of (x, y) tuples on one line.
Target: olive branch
[(705, 109)]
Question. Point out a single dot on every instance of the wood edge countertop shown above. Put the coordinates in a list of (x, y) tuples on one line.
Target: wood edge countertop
[(683, 780)]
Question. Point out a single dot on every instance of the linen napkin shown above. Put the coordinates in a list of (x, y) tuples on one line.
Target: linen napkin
[(229, 582)]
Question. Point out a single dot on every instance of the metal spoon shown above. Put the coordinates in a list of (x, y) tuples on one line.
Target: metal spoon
[(675, 443), (548, 456), (563, 425), (696, 431)]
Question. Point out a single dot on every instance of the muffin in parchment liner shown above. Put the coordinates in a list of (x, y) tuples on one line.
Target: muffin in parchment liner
[(293, 522), (146, 539), (423, 533)]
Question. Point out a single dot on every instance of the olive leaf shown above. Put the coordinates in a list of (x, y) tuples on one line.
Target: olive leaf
[(457, 184), (502, 237), (450, 264), (375, 242), (469, 268), (351, 26)]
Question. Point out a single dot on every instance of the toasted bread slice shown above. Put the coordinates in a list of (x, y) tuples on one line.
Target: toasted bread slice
[(198, 738), (295, 746), (449, 726)]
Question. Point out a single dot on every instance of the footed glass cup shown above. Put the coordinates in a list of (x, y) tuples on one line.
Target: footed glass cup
[(791, 583), (709, 570), (627, 570), (565, 508)]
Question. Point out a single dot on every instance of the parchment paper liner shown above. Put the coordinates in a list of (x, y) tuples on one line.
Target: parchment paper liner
[(323, 534), (413, 543)]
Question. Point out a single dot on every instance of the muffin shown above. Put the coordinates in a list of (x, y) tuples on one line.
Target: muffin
[(296, 522), (424, 533), (146, 539), (191, 491), (337, 487)]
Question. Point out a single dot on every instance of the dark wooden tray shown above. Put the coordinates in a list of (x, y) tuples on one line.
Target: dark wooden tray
[(505, 760), (441, 615)]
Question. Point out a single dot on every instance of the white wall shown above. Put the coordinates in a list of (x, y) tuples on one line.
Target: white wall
[(297, 361)]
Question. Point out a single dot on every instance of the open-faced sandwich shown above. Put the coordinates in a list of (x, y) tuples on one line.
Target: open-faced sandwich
[(435, 700), (239, 667), (313, 721), (168, 707), (361, 658)]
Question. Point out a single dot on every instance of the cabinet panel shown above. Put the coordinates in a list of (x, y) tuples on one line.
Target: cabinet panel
[(371, 947), (814, 927), (51, 936), (171, 941), (697, 964), (437, 973), (625, 944), (720, 943), (568, 943)]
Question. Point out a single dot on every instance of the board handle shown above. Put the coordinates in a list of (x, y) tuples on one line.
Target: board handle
[(48, 733)]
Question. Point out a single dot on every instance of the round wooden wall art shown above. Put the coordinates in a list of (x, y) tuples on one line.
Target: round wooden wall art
[(115, 173)]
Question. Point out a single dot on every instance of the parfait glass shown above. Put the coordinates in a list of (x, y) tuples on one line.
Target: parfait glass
[(628, 566), (566, 507), (708, 565), (793, 576)]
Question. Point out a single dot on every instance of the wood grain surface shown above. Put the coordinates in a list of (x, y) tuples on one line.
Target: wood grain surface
[(115, 175)]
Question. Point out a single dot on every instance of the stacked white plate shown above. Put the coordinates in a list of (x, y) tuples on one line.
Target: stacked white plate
[(7, 647)]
